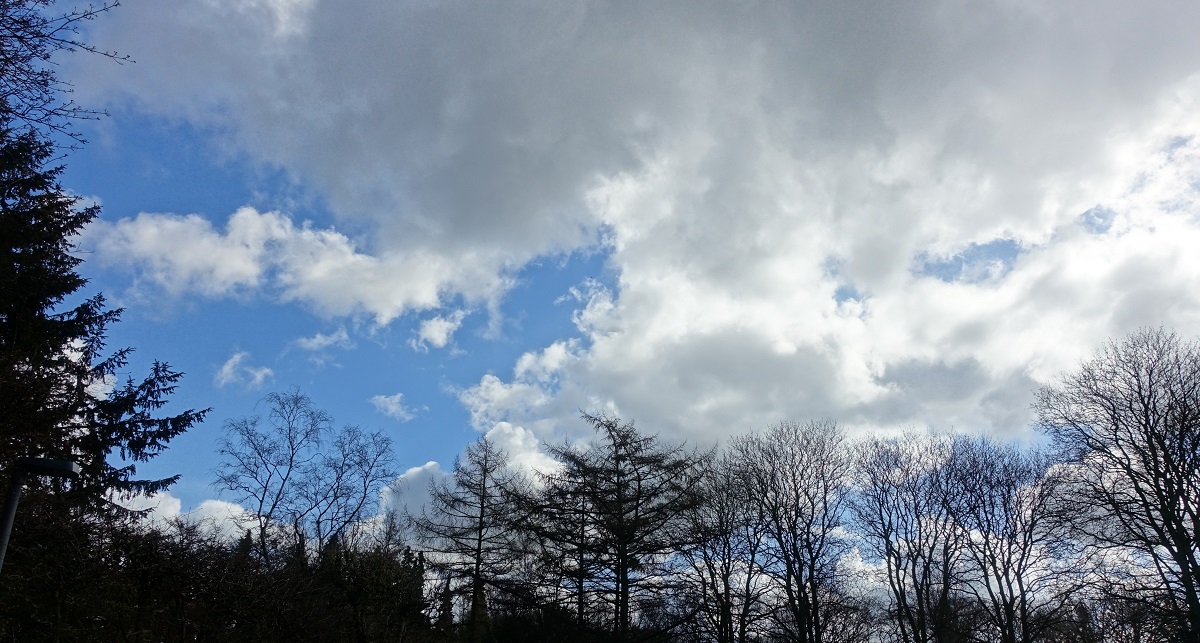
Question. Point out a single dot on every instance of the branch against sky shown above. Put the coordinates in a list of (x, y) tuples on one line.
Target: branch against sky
[(1128, 420), (32, 34), (302, 481)]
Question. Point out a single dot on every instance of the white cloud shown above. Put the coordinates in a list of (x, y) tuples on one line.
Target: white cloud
[(688, 350), (185, 254), (322, 341), (102, 387), (437, 331), (392, 406), (524, 450), (768, 179), (226, 520), (321, 268), (160, 508), (410, 491), (235, 370)]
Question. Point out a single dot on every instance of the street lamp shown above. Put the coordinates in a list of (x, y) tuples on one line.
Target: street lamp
[(25, 468)]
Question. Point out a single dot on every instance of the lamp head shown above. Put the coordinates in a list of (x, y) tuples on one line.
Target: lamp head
[(49, 467)]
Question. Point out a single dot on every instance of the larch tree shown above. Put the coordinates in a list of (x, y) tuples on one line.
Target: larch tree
[(467, 523), (618, 506)]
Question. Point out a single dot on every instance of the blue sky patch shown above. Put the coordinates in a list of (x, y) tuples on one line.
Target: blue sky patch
[(978, 262)]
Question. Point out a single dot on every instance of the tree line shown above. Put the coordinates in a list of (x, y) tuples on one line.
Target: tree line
[(799, 533), (796, 533)]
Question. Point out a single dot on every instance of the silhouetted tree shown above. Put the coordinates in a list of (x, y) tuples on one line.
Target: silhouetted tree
[(799, 475), (900, 511), (725, 586), (60, 397), (300, 475), (615, 511), (31, 33), (468, 523), (1003, 499), (1128, 422)]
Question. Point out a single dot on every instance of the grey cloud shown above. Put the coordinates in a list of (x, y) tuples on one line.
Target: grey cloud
[(475, 128), (728, 154)]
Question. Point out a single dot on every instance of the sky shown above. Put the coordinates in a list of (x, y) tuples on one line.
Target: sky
[(442, 220)]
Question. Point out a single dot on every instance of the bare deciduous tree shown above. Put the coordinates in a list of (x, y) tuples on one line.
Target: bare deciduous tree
[(798, 475), (1129, 422), (31, 33), (297, 472), (727, 588), (1003, 499), (900, 512)]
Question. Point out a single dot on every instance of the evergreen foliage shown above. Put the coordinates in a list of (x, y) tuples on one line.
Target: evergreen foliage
[(61, 397)]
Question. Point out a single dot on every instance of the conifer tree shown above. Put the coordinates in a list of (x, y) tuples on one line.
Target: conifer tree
[(616, 514), (466, 522), (60, 398), (59, 395)]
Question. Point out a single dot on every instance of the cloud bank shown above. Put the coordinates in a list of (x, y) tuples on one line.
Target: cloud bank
[(908, 214)]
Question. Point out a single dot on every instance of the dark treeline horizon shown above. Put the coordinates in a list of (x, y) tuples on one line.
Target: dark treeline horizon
[(798, 533), (794, 533)]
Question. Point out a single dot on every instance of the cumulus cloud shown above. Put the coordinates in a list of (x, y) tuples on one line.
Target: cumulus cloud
[(392, 406), (159, 508), (267, 251), (909, 214), (437, 331), (524, 449), (696, 358), (410, 491), (185, 253), (223, 519), (226, 519), (237, 371)]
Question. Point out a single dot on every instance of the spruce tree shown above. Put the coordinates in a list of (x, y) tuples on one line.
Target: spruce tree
[(59, 396), (64, 577)]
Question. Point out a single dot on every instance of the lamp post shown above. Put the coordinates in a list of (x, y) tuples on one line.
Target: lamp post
[(26, 467)]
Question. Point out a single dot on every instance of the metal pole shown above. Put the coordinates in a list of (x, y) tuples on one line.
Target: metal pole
[(10, 509), (24, 467)]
